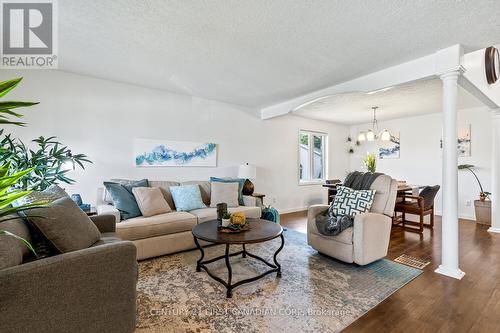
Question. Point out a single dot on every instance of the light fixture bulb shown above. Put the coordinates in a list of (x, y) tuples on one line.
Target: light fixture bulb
[(361, 136), (370, 136), (386, 136)]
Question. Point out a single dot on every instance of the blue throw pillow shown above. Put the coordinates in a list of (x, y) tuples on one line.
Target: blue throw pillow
[(240, 182), (123, 199), (187, 197)]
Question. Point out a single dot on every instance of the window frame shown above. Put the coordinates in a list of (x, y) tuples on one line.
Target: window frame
[(324, 166)]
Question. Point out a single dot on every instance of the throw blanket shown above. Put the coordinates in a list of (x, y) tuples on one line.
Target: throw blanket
[(328, 223)]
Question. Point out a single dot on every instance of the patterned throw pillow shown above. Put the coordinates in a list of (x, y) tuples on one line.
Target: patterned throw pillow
[(351, 202), (187, 197), (50, 194)]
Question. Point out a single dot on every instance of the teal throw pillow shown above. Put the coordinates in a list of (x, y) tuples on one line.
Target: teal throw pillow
[(123, 199), (240, 182), (187, 197), (351, 202)]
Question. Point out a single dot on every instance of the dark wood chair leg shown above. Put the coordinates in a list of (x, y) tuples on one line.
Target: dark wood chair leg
[(421, 222), (432, 218)]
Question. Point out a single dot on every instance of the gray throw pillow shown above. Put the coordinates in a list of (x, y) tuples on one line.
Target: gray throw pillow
[(12, 250), (65, 225)]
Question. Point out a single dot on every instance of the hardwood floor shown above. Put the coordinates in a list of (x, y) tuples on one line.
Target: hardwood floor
[(433, 302)]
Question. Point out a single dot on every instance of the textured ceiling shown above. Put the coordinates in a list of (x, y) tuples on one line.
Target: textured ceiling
[(260, 52), (409, 100)]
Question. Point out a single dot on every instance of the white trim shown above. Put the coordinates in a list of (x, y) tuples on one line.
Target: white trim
[(454, 273), (494, 230), (469, 217), (291, 210), (325, 139)]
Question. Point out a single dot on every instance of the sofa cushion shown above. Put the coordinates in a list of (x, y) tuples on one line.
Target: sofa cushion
[(123, 199), (187, 197), (224, 193), (165, 190), (205, 189), (158, 225), (240, 182), (65, 225), (208, 214), (12, 249), (107, 238), (150, 201)]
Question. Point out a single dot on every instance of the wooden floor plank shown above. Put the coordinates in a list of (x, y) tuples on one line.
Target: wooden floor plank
[(433, 302)]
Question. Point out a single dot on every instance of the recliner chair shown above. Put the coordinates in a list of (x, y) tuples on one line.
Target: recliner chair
[(368, 239)]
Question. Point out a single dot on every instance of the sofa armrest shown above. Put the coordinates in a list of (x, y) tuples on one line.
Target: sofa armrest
[(312, 212), (372, 233), (109, 210), (251, 201), (90, 290), (105, 223)]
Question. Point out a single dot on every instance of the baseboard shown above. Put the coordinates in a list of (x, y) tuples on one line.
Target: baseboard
[(291, 210), (460, 216)]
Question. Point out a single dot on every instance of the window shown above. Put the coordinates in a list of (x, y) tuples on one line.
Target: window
[(312, 157)]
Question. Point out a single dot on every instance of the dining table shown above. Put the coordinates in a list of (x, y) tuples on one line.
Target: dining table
[(404, 188)]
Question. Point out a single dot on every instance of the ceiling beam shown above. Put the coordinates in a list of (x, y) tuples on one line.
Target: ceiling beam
[(414, 70)]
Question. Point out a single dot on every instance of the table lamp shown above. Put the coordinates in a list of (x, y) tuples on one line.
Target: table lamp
[(247, 171)]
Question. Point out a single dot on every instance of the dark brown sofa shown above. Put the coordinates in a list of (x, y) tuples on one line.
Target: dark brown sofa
[(90, 290)]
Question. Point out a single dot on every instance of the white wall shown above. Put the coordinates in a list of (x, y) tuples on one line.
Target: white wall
[(420, 159), (101, 119)]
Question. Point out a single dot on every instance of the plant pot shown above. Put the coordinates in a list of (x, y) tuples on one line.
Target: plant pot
[(226, 223), (483, 211)]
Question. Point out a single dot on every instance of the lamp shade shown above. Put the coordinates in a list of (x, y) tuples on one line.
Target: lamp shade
[(247, 171), (370, 136), (361, 136), (386, 136)]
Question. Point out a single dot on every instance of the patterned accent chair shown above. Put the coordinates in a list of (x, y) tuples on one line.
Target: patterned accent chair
[(368, 240)]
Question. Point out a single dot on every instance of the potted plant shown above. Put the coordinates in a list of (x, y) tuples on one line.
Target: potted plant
[(10, 179), (481, 206), (370, 162), (226, 220)]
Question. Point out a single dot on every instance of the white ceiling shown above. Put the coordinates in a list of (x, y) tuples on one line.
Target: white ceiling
[(260, 52), (418, 98)]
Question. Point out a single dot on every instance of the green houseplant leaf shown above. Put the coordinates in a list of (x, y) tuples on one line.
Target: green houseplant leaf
[(483, 195), (8, 195), (7, 106), (28, 244)]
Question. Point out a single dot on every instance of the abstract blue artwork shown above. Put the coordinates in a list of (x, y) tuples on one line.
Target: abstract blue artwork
[(151, 153), (391, 148)]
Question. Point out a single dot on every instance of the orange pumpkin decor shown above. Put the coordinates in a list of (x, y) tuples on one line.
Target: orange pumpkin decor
[(238, 218)]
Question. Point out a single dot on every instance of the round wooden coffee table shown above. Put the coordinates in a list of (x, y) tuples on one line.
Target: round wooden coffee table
[(260, 231)]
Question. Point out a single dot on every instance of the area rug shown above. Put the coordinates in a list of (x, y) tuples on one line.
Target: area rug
[(315, 293)]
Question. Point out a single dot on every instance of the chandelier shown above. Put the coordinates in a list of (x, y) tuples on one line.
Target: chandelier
[(373, 133)]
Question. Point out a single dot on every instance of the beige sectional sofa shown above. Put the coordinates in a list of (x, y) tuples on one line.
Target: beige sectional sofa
[(170, 232)]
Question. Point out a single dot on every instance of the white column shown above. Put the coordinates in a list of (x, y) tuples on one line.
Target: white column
[(449, 244), (495, 173)]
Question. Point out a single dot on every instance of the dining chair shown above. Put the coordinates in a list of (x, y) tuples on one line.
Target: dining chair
[(421, 205)]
